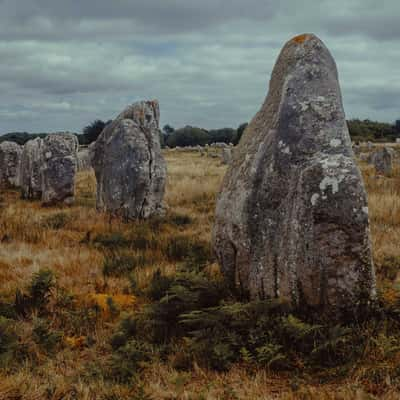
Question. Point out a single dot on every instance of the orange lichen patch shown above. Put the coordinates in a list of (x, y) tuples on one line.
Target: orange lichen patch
[(300, 38), (75, 342), (109, 303), (390, 296)]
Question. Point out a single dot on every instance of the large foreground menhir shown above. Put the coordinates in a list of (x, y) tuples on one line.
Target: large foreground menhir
[(292, 216)]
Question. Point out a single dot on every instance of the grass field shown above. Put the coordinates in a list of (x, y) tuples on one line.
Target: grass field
[(60, 349)]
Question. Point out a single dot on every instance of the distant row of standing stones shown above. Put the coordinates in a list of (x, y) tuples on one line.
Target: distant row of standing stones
[(45, 168), (291, 219)]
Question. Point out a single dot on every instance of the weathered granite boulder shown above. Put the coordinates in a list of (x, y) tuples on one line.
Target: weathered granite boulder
[(130, 169), (84, 159), (292, 217), (226, 155), (382, 160), (10, 157), (59, 168), (31, 169)]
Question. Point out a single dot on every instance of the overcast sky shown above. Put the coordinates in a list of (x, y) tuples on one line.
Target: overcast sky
[(65, 63)]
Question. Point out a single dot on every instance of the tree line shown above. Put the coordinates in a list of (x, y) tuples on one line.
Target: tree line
[(360, 130)]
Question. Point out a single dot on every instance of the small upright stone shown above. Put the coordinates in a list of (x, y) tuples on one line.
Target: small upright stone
[(130, 169), (59, 168), (291, 219), (226, 155), (31, 169), (382, 160), (84, 159), (10, 157)]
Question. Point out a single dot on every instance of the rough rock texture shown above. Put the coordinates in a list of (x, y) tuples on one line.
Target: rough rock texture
[(59, 168), (382, 160), (226, 155), (130, 169), (84, 159), (292, 216), (30, 169), (10, 157)]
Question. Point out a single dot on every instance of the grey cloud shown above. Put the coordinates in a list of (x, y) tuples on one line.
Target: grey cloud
[(67, 63)]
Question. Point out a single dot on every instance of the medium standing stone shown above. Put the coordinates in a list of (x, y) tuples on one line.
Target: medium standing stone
[(30, 169), (59, 168), (10, 157), (84, 159), (292, 218), (226, 155), (130, 169), (382, 160)]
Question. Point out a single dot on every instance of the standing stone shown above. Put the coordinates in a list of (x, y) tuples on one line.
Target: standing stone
[(364, 157), (84, 159), (292, 216), (130, 169), (10, 157), (226, 155), (356, 150), (30, 169), (59, 168), (382, 160)]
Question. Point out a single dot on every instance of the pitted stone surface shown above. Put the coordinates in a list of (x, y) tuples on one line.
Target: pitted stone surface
[(10, 157), (292, 218), (59, 155), (31, 169), (130, 169)]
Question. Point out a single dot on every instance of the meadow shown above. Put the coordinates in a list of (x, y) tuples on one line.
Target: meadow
[(72, 281)]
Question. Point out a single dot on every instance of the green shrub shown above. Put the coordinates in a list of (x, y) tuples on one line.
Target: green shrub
[(180, 220), (117, 265), (129, 359), (39, 292), (44, 336), (40, 288), (159, 285), (8, 342), (111, 240), (56, 221)]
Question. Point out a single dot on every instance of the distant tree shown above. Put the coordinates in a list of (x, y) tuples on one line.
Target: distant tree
[(168, 130), (397, 126), (91, 132), (187, 136), (362, 130), (239, 132), (225, 135), (20, 137)]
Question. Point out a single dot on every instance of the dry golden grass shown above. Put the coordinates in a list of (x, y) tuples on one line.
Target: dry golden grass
[(63, 240)]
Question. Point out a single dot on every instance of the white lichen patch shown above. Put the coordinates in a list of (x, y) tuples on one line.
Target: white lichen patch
[(331, 181), (335, 142), (365, 209), (314, 199)]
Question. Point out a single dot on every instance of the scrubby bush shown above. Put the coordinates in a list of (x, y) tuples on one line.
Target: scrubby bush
[(38, 293), (8, 341), (56, 221), (197, 315), (118, 265)]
